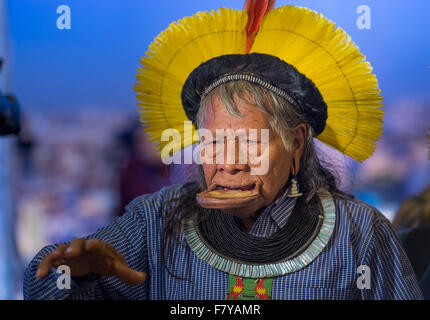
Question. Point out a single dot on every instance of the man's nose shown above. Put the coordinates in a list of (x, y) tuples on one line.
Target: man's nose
[(233, 168), (234, 162)]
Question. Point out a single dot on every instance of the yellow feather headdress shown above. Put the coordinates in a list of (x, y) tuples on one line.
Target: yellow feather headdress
[(301, 37)]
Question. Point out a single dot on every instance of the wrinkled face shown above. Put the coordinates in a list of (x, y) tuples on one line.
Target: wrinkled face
[(267, 186)]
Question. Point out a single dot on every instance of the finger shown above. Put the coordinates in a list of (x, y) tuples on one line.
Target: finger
[(93, 245), (44, 266), (50, 259), (128, 275), (58, 256), (76, 248)]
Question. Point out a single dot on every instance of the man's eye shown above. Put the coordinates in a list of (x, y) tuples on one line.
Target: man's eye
[(210, 143)]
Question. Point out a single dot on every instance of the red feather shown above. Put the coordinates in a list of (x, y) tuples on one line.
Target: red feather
[(256, 10)]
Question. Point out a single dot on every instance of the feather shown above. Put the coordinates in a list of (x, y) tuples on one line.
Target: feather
[(326, 55), (299, 36), (256, 9), (172, 56)]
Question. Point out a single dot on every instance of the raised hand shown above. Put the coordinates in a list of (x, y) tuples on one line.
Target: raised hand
[(90, 255)]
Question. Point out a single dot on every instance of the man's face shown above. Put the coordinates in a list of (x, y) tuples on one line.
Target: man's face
[(232, 176)]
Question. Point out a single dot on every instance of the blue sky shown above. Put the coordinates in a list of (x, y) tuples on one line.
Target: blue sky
[(94, 63)]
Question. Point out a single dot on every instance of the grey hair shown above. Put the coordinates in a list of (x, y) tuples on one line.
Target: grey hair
[(283, 119)]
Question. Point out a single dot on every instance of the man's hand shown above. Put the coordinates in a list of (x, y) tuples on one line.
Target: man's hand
[(90, 255)]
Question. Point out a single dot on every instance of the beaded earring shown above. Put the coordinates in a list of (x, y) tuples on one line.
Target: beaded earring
[(294, 185)]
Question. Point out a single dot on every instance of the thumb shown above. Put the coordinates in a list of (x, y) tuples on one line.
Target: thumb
[(129, 276)]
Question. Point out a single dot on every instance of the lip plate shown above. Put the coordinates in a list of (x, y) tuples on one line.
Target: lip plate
[(247, 187), (226, 203)]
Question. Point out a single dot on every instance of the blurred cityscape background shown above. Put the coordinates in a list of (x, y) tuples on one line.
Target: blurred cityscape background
[(82, 155)]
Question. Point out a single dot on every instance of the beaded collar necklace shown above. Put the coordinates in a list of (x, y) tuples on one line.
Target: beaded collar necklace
[(224, 246)]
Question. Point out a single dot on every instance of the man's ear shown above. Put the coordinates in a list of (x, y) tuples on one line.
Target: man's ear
[(298, 144)]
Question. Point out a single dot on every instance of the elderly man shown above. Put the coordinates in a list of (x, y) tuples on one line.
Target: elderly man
[(286, 232)]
